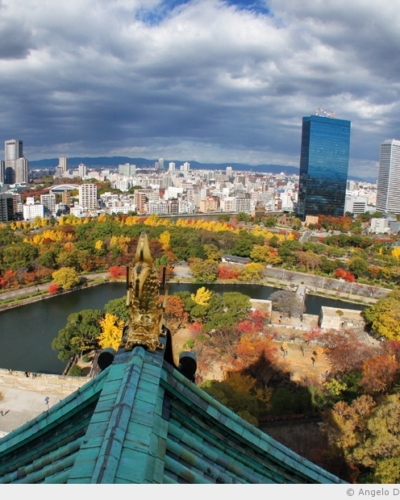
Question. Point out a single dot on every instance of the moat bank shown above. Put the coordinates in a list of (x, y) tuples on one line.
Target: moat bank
[(26, 332)]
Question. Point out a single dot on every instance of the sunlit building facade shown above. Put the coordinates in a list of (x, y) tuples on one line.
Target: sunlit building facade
[(388, 192), (324, 163)]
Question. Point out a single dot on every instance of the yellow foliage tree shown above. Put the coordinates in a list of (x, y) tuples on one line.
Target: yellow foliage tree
[(252, 272), (131, 220), (164, 239), (153, 220), (99, 245), (396, 253), (66, 277), (202, 296), (120, 242), (239, 382), (111, 333), (69, 247)]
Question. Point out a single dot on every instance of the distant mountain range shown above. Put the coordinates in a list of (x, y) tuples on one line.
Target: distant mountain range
[(114, 161)]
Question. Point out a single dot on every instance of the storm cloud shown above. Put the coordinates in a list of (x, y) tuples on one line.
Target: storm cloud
[(207, 80)]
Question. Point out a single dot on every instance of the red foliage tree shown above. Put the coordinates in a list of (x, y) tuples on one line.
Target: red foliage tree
[(379, 373), (196, 328), (174, 311), (9, 279), (255, 322), (340, 273), (345, 351), (30, 278), (312, 335), (116, 272), (54, 288), (228, 272), (346, 275)]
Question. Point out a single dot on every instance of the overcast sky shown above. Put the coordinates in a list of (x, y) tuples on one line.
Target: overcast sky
[(208, 80)]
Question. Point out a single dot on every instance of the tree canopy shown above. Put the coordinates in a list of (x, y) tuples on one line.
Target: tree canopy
[(79, 334)]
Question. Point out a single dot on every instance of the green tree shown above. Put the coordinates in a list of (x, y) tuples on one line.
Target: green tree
[(19, 255), (357, 266), (79, 334), (66, 277), (118, 308), (204, 270), (226, 310)]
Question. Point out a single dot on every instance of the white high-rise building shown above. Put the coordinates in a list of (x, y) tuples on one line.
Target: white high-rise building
[(82, 169), (88, 196), (388, 192), (127, 169), (16, 166), (63, 163), (21, 170), (49, 203)]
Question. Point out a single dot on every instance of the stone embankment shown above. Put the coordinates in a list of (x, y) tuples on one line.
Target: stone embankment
[(40, 382)]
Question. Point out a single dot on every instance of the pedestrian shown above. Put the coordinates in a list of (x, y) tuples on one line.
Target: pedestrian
[(2, 413), (26, 374), (10, 371)]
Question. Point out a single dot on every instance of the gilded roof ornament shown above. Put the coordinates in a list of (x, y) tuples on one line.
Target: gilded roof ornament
[(146, 313)]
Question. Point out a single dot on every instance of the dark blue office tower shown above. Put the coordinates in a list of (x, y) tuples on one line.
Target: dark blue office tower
[(324, 162)]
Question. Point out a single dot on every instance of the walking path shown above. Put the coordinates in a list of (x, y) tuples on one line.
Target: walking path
[(24, 398)]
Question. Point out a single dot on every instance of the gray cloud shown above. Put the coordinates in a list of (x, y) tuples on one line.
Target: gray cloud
[(203, 79)]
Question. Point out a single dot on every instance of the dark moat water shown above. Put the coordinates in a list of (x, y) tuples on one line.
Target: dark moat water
[(26, 332)]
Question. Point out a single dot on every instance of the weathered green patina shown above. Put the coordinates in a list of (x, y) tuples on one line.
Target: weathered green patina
[(141, 421)]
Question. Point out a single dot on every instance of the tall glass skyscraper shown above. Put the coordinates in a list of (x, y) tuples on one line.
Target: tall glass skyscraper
[(324, 163)]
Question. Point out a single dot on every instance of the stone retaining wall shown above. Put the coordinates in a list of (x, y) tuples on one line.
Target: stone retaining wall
[(42, 383)]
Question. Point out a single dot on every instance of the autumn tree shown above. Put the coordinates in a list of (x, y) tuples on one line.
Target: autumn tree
[(266, 254), (66, 277), (384, 316), (202, 296), (309, 259), (345, 351), (54, 288), (116, 272), (174, 311), (204, 270), (366, 433), (111, 331), (227, 272), (379, 373), (254, 322), (242, 402), (252, 272)]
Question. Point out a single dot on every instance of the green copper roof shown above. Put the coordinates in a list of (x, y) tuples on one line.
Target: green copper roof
[(141, 421)]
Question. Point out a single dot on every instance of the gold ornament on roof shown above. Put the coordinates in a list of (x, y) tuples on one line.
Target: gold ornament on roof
[(146, 318)]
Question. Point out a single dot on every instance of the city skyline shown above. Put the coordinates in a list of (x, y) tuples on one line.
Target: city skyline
[(207, 80)]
